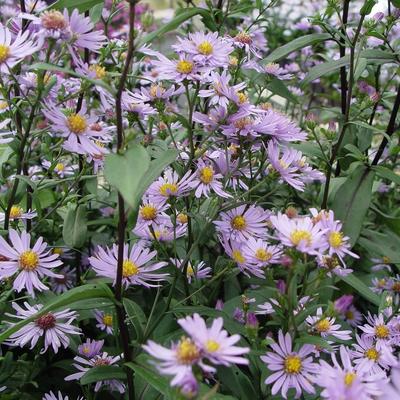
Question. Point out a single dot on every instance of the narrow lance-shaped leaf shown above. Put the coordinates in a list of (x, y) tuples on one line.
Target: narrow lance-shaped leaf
[(81, 5), (361, 288), (75, 227), (102, 373)]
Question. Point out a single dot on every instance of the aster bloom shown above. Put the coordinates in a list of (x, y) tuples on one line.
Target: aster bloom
[(325, 326), (342, 380), (261, 253), (90, 348), (368, 359), (60, 168), (378, 330), (105, 321), (54, 327), (137, 268), (206, 180), (160, 232), (214, 342), (300, 233), (152, 212), (13, 51), (78, 130), (275, 70), (353, 317), (170, 185), (241, 223), (207, 49), (30, 263), (290, 369), (65, 281), (82, 34), (83, 365), (391, 391), (52, 396), (17, 212), (194, 271)]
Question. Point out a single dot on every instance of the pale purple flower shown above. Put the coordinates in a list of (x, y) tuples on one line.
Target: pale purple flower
[(83, 365), (90, 348), (277, 71), (105, 321), (212, 120), (17, 213), (300, 233), (267, 307), (290, 369), (243, 222), (193, 271), (60, 168), (342, 303), (58, 396), (381, 263), (137, 266), (55, 327), (160, 232), (353, 317), (261, 253), (206, 180), (30, 263), (377, 329), (325, 326), (152, 212), (13, 49), (65, 281), (214, 342), (391, 391), (342, 381)]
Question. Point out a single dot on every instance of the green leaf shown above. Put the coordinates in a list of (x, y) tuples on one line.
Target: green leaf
[(295, 45), (136, 317), (95, 12), (102, 373), (127, 170), (367, 7), (317, 340), (386, 173), (75, 227), (352, 201), (276, 86), (174, 23), (324, 69), (81, 5), (237, 382), (89, 291), (154, 379), (361, 288), (396, 3)]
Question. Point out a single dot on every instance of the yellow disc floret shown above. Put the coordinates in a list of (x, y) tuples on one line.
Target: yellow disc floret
[(238, 222), (168, 189), (292, 364), (205, 48), (206, 175), (148, 212), (28, 260), (323, 325), (382, 331), (77, 123), (263, 255), (4, 52), (299, 235), (372, 354), (336, 239), (98, 70), (184, 67), (16, 212), (129, 268), (349, 378), (238, 256), (187, 351), (212, 346), (107, 319)]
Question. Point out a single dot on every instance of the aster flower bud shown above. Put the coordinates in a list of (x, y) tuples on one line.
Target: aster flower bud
[(310, 121)]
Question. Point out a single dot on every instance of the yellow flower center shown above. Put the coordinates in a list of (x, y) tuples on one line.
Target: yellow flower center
[(349, 378), (372, 354), (58, 250), (184, 67), (187, 351), (98, 70), (205, 48), (59, 167), (292, 364), (336, 239), (16, 212), (386, 260), (3, 105), (207, 175), (299, 235), (107, 319), (382, 332), (190, 270), (129, 268), (242, 97), (263, 255), (238, 256), (349, 315), (85, 349), (148, 212), (28, 260), (182, 218), (238, 222), (168, 189), (4, 52), (212, 346), (323, 325), (156, 88), (241, 123), (76, 123), (233, 61), (283, 164)]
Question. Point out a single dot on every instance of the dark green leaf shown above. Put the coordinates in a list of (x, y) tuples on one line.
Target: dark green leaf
[(89, 291), (153, 378), (81, 5), (367, 7), (276, 86), (316, 340), (352, 201), (361, 288), (295, 45), (324, 69), (237, 382), (386, 173), (75, 227), (136, 317), (102, 373)]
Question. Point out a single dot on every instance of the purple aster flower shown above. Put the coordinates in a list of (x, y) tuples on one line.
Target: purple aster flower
[(206, 180), (137, 268), (65, 281), (342, 380), (13, 51), (381, 263), (90, 348), (343, 303), (300, 233), (207, 49), (84, 365), (53, 326), (325, 326), (275, 70), (170, 185), (290, 369), (30, 263), (82, 34), (250, 42), (189, 386), (377, 329), (194, 271), (212, 120), (353, 317), (59, 396), (261, 253), (379, 284), (105, 321), (367, 358), (214, 342), (161, 232), (61, 169), (391, 391), (241, 223), (267, 307), (151, 212), (17, 213), (238, 315)]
